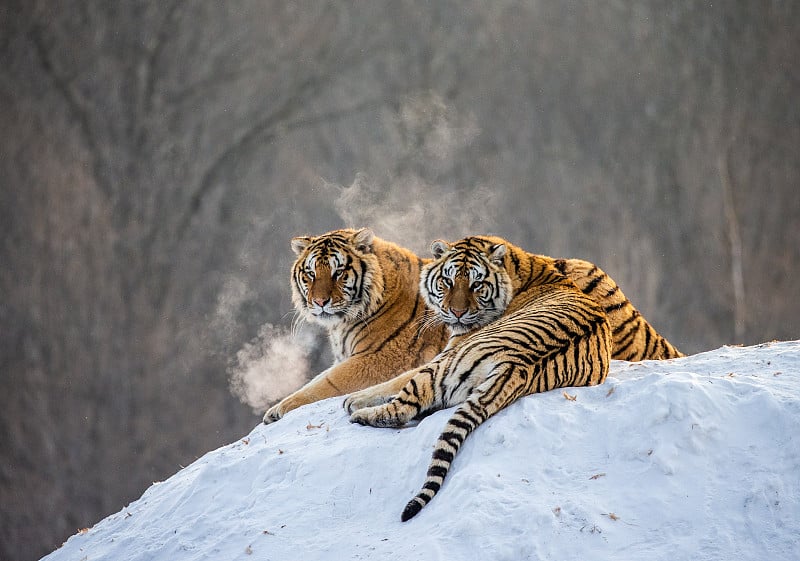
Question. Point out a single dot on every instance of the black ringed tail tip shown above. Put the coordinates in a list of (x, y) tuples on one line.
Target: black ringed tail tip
[(411, 510)]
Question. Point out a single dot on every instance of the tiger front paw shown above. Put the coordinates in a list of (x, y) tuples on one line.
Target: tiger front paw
[(365, 398), (277, 411), (388, 415), (273, 414)]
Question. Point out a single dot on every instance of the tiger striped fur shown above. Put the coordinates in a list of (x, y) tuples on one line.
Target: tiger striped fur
[(540, 332), (634, 337), (365, 292)]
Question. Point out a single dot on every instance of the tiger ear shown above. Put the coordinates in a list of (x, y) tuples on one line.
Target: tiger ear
[(300, 243), (363, 240), (439, 248), (496, 253)]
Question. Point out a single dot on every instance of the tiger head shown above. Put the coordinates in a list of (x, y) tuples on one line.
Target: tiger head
[(336, 277), (467, 284)]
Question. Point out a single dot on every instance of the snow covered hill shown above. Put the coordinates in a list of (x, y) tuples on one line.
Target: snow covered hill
[(695, 458)]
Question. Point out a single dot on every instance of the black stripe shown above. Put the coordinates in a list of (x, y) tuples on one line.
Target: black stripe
[(458, 423), (432, 485), (415, 404), (592, 285), (635, 327), (540, 374), (664, 350), (647, 336), (478, 412), (514, 259), (396, 332), (437, 471), (443, 455), (615, 307), (412, 508), (413, 383), (470, 416), (452, 438)]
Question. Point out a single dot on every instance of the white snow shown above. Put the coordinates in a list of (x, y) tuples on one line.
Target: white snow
[(694, 458)]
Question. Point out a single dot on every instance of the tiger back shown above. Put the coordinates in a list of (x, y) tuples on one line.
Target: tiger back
[(365, 292), (537, 331)]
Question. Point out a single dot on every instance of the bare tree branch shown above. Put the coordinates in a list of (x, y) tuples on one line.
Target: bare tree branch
[(262, 130), (78, 110), (154, 53)]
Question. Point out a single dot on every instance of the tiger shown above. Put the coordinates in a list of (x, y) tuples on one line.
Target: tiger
[(634, 337), (365, 292), (535, 331)]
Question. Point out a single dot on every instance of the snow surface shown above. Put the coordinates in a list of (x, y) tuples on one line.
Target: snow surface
[(693, 458)]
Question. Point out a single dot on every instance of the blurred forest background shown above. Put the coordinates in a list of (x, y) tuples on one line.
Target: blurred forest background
[(156, 157)]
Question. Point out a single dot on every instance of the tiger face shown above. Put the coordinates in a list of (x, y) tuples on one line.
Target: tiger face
[(336, 276), (466, 285)]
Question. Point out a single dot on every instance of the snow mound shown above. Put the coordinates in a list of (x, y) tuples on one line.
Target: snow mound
[(693, 458)]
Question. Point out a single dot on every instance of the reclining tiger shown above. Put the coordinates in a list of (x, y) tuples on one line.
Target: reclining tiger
[(519, 325), (634, 338), (365, 292)]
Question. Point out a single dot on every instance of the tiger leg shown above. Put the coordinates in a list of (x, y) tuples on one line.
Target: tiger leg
[(506, 386), (353, 374), (377, 394), (416, 397)]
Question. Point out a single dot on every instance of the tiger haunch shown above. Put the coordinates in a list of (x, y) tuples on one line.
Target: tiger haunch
[(530, 332), (634, 337)]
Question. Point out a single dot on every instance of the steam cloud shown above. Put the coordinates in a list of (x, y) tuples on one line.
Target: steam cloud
[(413, 213), (230, 299), (271, 366), (406, 209)]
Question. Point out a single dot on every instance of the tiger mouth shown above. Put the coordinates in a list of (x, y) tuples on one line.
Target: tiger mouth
[(325, 314), (462, 324)]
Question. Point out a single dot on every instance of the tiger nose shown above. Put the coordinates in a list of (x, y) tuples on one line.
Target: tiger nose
[(321, 301), (458, 312)]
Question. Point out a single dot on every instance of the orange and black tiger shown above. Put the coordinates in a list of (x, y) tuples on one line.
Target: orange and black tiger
[(533, 330), (462, 309), (365, 292)]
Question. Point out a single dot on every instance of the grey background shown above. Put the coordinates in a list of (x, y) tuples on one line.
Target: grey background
[(156, 157)]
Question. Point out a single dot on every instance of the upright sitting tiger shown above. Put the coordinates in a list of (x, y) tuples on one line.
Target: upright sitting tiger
[(365, 292), (534, 331)]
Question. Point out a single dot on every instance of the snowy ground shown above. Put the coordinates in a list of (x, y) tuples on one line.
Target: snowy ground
[(695, 458)]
